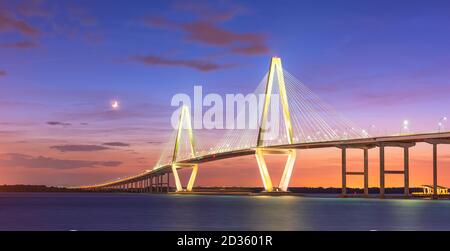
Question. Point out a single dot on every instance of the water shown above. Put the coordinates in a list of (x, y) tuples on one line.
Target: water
[(96, 211)]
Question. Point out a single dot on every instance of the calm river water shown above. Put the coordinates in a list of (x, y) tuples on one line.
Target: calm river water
[(97, 211)]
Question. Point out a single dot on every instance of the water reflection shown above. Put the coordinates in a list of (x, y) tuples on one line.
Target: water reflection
[(193, 212)]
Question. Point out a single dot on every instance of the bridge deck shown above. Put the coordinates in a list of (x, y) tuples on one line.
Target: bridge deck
[(351, 143)]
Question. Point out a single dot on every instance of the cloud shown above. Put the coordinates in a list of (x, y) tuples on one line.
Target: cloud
[(2, 73), (206, 29), (58, 123), (27, 161), (34, 17), (116, 144), (79, 148), (9, 23), (253, 49), (195, 64), (25, 44), (209, 33)]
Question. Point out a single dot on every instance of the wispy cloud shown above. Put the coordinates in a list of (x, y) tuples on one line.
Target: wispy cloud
[(116, 144), (2, 73), (27, 161), (252, 49), (32, 18), (210, 33), (206, 29), (79, 148), (10, 23), (195, 64), (54, 123)]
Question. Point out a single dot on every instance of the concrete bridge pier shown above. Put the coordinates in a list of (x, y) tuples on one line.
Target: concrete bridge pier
[(287, 172), (158, 178), (158, 183), (176, 177), (167, 182), (405, 172), (152, 184), (435, 143), (149, 184), (364, 173)]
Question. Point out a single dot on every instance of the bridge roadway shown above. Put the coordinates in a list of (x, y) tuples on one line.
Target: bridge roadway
[(404, 141)]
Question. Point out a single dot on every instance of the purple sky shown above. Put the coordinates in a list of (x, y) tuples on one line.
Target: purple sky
[(62, 62)]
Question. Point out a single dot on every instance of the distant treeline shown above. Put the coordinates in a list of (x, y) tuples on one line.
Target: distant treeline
[(306, 190), (331, 190), (312, 190), (33, 188)]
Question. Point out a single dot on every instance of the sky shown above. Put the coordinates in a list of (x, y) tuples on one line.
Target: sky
[(63, 62)]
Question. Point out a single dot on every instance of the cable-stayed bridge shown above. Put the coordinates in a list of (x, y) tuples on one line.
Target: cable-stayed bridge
[(300, 120)]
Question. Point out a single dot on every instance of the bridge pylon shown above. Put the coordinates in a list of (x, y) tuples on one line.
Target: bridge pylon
[(184, 118), (275, 68)]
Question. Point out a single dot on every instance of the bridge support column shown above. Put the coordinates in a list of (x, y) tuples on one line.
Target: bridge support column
[(382, 171), (265, 177), (435, 172), (287, 172), (149, 181), (366, 172), (159, 183), (344, 171), (192, 178), (168, 182), (406, 170), (289, 167), (435, 143), (151, 184)]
